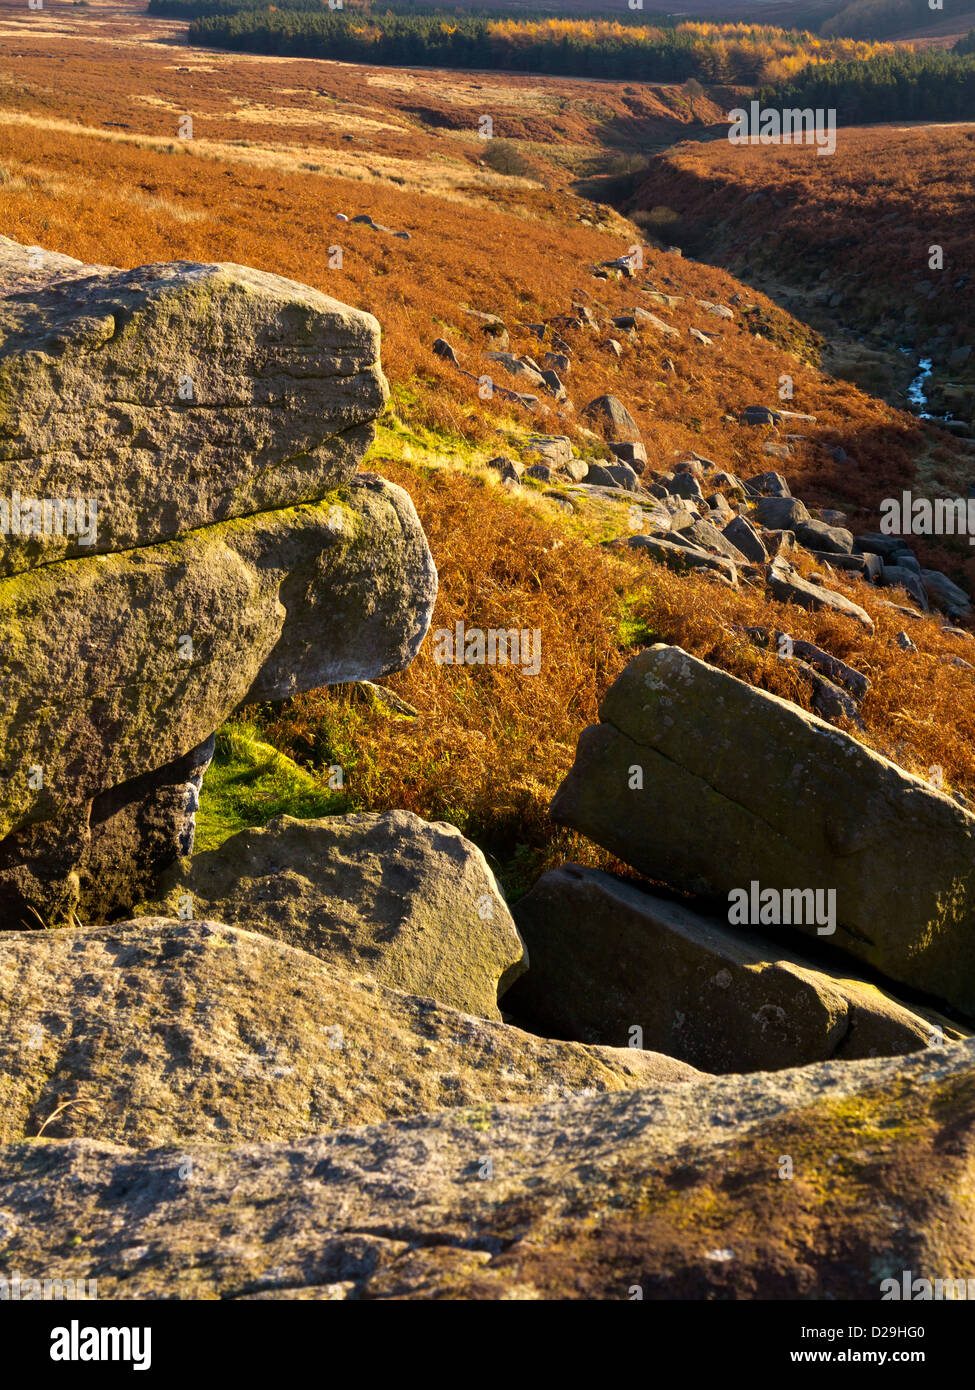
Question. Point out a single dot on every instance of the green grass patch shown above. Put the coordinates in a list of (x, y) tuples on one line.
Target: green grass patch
[(249, 783)]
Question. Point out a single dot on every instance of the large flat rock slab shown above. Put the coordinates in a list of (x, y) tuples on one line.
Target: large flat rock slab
[(155, 1031), (823, 1182), (610, 962)]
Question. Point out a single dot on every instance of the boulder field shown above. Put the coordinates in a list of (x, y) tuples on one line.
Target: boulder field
[(327, 1060)]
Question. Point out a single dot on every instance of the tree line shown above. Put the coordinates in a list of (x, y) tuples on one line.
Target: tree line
[(599, 48), (904, 86)]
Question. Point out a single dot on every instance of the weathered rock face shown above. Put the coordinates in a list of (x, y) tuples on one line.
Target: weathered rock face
[(175, 395), (607, 958), (409, 902), (703, 782), (240, 559), (679, 1191), (162, 1032), (154, 648)]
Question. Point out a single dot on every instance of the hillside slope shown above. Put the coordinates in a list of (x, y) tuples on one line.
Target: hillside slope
[(93, 165)]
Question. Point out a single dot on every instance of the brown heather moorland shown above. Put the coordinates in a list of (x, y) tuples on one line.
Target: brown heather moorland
[(856, 228), (91, 165), (874, 206)]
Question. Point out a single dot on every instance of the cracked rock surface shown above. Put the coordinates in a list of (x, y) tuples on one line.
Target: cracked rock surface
[(674, 1190), (705, 783), (176, 395)]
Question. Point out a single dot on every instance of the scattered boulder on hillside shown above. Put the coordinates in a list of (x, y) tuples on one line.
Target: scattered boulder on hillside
[(558, 361), (618, 474), (818, 536), (760, 415), (631, 452), (729, 484), (945, 594), (782, 544), (874, 543), (905, 577), (781, 513), (682, 511), (610, 961), (443, 349), (509, 469), (613, 418), (648, 320), (796, 804), (408, 901), (788, 586), (686, 485), (768, 484), (554, 384), (870, 568), (828, 700), (163, 1031), (555, 452), (839, 672), (674, 1191), (705, 536), (907, 559), (720, 311), (491, 328), (555, 449), (516, 366), (585, 316), (622, 263), (366, 220), (743, 536), (683, 557)]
